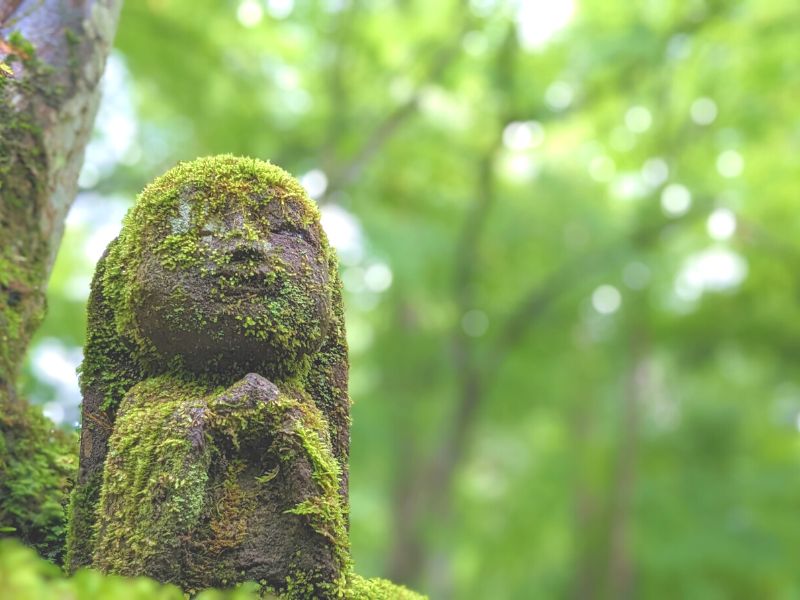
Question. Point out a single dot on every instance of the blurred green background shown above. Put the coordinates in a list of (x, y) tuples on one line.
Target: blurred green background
[(567, 237)]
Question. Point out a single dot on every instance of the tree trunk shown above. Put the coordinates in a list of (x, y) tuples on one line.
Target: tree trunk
[(620, 557), (52, 54)]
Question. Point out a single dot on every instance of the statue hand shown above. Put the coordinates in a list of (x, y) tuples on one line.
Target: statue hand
[(249, 391)]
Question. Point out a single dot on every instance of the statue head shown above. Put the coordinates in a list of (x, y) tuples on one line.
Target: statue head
[(222, 267)]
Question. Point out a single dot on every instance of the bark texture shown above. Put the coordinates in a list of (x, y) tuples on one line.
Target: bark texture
[(52, 54)]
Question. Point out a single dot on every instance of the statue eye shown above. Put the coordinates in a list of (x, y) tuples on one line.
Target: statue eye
[(300, 233)]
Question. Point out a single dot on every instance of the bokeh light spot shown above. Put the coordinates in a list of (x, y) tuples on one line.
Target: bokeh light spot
[(559, 95), (523, 135), (638, 119), (344, 233), (378, 277), (721, 224), (280, 9), (730, 164), (539, 22), (703, 111), (249, 13), (655, 171), (606, 299), (676, 200), (315, 182)]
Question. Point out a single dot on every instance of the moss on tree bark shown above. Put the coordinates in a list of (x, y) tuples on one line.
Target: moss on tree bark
[(52, 54)]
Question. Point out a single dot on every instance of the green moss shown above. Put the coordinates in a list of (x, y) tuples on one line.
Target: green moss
[(324, 511), (229, 515), (21, 181), (142, 465), (81, 518), (73, 43), (360, 588), (110, 363), (353, 587), (37, 464), (22, 46)]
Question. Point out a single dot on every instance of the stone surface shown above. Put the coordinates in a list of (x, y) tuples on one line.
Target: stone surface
[(216, 416)]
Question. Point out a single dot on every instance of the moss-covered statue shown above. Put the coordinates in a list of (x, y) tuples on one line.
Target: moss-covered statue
[(215, 434)]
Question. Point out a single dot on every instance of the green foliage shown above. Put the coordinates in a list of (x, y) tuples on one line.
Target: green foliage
[(379, 589), (24, 575)]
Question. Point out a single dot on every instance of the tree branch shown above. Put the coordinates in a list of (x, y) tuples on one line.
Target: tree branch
[(352, 168), (7, 9)]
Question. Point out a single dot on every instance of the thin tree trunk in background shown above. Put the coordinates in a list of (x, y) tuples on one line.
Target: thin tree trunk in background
[(52, 55), (620, 564), (584, 504)]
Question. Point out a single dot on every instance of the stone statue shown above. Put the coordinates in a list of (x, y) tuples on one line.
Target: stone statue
[(215, 436)]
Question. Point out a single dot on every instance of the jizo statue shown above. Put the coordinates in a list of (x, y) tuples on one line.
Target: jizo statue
[(215, 436)]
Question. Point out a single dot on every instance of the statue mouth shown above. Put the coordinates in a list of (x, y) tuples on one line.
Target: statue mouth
[(243, 275), (233, 279), (257, 278)]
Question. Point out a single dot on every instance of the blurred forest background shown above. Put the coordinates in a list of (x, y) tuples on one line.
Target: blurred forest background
[(567, 232)]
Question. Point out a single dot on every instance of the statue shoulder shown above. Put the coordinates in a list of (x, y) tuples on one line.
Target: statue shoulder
[(163, 390)]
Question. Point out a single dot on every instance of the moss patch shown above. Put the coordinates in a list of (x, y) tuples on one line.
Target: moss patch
[(360, 588), (37, 464), (22, 181)]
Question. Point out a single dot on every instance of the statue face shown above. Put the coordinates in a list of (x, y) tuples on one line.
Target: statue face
[(227, 285)]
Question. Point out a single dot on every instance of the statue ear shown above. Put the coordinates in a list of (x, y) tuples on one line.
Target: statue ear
[(327, 379), (108, 371)]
